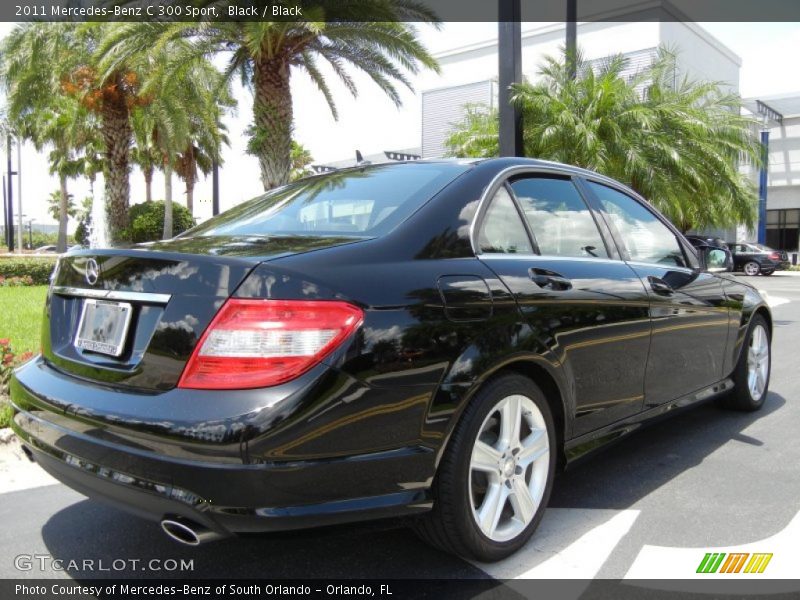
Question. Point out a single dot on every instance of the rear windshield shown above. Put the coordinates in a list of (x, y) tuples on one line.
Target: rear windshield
[(366, 201)]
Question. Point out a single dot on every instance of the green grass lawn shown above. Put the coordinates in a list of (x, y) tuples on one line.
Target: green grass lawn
[(21, 310)]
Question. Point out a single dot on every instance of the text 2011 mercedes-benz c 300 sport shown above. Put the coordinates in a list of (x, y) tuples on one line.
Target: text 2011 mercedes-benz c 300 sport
[(433, 339)]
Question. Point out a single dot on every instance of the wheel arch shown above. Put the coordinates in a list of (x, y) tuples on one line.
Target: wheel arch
[(543, 377), (552, 393), (748, 313), (764, 312)]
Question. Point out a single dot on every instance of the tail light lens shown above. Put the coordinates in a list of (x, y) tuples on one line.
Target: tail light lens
[(775, 256), (259, 343)]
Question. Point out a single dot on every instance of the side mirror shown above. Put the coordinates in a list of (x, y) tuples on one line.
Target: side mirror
[(715, 260)]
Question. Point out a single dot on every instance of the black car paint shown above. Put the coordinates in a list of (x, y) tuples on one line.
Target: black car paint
[(360, 435), (761, 257)]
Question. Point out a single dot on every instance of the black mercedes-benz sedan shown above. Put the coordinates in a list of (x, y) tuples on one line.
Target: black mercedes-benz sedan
[(430, 339)]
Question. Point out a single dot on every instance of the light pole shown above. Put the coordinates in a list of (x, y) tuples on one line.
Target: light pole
[(215, 188), (10, 199), (19, 192), (572, 38), (509, 52)]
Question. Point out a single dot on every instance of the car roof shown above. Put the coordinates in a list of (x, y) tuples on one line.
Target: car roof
[(500, 163), (506, 162)]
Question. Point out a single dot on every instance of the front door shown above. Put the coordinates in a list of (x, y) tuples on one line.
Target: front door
[(687, 306)]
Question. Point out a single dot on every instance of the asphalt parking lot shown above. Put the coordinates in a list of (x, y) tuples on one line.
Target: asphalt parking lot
[(702, 480)]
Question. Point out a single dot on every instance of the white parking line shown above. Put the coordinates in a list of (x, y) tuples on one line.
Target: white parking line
[(571, 543), (662, 562), (773, 301)]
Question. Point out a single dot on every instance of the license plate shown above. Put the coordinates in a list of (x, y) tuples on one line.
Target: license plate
[(103, 326)]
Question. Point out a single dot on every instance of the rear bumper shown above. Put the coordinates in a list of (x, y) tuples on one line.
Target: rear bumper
[(156, 476)]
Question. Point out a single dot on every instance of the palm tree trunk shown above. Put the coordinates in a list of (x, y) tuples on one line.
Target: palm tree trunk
[(190, 195), (272, 114), (190, 178), (167, 201), (117, 135), (63, 215), (148, 183)]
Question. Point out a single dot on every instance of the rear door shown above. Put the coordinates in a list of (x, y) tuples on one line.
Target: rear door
[(587, 308), (687, 306)]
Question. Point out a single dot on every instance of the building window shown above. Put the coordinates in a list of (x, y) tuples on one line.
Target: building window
[(783, 229)]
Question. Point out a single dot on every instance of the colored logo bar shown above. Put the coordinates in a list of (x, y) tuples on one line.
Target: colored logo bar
[(720, 562)]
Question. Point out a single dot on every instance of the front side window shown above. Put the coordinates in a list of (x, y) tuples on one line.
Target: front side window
[(558, 217), (645, 238), (502, 230)]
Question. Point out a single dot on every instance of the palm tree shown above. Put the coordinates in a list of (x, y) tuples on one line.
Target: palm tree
[(51, 120), (144, 154), (181, 126), (674, 140), (45, 60), (374, 36), (207, 132), (199, 155), (301, 159)]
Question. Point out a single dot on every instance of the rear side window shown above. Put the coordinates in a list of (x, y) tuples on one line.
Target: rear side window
[(502, 230), (368, 201), (645, 237), (558, 217)]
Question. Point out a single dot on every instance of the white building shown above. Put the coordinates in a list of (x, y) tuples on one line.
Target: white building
[(469, 72)]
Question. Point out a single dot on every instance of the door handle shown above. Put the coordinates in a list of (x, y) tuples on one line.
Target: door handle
[(659, 286), (550, 280)]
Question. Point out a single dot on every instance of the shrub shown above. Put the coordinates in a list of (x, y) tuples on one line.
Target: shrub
[(38, 269), (40, 238), (147, 221), (8, 361), (23, 281), (82, 231), (6, 414)]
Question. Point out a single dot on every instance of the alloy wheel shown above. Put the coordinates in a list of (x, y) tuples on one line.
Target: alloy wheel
[(758, 362), (509, 468), (751, 268)]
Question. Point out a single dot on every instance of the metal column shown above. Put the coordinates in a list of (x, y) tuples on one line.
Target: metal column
[(215, 188), (10, 198), (762, 187), (572, 37), (509, 46)]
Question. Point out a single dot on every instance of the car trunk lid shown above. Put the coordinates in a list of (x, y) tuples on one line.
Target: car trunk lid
[(132, 317)]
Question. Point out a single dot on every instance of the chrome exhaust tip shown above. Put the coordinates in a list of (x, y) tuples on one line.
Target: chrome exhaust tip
[(188, 532)]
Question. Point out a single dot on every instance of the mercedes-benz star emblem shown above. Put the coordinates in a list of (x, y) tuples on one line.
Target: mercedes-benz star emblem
[(92, 271)]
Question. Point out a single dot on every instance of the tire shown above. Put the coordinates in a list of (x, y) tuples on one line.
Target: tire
[(746, 394), (511, 498), (751, 268)]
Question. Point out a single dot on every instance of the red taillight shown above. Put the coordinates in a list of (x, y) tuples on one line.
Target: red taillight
[(775, 256), (258, 343)]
